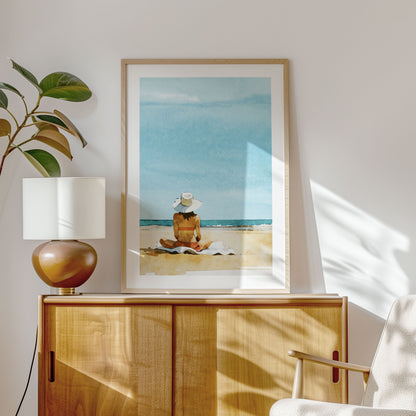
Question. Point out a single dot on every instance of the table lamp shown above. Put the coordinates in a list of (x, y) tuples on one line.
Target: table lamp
[(64, 210)]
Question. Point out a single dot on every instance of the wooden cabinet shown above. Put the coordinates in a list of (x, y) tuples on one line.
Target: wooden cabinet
[(127, 355)]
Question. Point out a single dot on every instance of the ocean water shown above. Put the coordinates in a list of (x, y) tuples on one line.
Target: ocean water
[(211, 223)]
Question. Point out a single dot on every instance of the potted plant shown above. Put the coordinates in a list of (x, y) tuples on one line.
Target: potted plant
[(44, 126)]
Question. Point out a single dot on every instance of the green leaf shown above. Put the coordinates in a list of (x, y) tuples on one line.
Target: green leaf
[(64, 86), (51, 136), (63, 123), (9, 87), (26, 74), (73, 130), (44, 162), (3, 100), (5, 127), (53, 120)]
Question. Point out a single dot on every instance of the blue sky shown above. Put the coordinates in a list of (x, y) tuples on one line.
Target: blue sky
[(208, 136)]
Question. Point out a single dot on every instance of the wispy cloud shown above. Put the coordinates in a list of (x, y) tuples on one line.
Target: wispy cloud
[(185, 99), (205, 91), (168, 98)]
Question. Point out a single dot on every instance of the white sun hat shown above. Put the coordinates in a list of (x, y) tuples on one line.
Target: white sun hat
[(186, 203)]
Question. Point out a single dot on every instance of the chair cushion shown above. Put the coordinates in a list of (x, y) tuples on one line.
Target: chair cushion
[(302, 407), (393, 372)]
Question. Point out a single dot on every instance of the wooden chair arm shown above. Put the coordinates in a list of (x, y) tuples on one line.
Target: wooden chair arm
[(297, 392), (332, 363)]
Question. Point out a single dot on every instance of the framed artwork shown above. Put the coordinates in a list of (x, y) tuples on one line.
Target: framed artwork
[(205, 147)]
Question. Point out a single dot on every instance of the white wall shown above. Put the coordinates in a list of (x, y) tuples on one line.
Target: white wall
[(353, 99)]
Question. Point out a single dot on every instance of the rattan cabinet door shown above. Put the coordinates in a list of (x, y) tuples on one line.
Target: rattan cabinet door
[(106, 360)]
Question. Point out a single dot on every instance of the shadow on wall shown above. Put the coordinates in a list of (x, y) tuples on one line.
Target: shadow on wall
[(358, 253)]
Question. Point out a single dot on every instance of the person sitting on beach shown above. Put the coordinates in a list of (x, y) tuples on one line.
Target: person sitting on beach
[(186, 224)]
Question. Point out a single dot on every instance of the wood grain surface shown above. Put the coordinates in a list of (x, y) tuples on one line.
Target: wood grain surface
[(190, 357), (108, 360)]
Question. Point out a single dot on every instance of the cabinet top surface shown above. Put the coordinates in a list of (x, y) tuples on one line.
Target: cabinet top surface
[(89, 298)]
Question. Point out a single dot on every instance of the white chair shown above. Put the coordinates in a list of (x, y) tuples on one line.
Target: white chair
[(390, 382)]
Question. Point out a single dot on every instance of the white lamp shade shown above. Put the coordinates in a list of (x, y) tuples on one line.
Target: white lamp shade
[(63, 208)]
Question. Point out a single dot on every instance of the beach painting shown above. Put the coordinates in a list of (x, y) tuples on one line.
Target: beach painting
[(206, 198)]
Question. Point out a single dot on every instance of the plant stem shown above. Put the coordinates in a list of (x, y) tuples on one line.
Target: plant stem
[(21, 144), (13, 117), (24, 102), (41, 113), (10, 146)]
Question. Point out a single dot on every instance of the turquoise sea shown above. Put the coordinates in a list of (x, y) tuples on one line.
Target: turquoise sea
[(211, 223)]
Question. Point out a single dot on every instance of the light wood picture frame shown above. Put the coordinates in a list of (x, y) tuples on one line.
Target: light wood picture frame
[(210, 131)]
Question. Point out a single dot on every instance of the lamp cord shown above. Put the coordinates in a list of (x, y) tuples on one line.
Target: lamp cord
[(30, 373)]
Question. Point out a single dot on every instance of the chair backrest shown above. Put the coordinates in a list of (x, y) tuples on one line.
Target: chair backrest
[(392, 381)]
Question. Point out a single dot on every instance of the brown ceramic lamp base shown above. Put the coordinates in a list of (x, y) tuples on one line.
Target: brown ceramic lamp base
[(64, 264)]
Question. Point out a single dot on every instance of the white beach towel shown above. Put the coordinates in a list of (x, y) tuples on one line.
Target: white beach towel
[(216, 247)]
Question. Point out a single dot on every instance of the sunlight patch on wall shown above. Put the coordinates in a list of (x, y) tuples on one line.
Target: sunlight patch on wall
[(358, 253)]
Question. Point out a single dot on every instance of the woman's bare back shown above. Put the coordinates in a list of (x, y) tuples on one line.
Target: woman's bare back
[(185, 229)]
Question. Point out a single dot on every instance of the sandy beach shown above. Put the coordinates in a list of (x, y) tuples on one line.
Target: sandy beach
[(252, 247)]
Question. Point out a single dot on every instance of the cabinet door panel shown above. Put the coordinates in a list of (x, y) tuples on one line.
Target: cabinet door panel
[(195, 371), (236, 357), (107, 360)]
